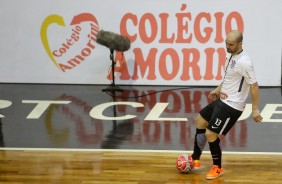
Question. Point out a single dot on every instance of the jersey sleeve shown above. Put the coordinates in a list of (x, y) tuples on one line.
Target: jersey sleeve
[(247, 70)]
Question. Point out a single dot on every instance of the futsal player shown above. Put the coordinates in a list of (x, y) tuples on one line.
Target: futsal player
[(229, 98)]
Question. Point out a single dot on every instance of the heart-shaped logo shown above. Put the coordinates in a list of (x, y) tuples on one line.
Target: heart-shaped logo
[(71, 40)]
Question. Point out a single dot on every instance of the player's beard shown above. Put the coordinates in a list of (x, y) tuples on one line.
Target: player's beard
[(232, 51)]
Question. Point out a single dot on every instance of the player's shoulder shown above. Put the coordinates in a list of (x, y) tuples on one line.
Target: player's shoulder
[(243, 55), (244, 58)]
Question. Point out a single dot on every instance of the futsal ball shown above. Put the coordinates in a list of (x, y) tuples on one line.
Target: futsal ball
[(184, 163)]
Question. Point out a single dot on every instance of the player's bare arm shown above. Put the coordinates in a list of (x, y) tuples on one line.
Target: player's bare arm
[(255, 101)]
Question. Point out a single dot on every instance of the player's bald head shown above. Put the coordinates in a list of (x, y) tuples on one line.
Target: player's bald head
[(235, 36)]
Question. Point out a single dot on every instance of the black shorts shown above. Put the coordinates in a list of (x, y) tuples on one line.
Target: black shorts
[(220, 116)]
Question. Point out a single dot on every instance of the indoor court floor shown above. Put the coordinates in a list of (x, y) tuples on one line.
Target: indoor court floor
[(90, 134)]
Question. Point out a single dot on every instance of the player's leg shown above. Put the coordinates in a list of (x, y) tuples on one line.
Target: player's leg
[(222, 121), (216, 153), (200, 138)]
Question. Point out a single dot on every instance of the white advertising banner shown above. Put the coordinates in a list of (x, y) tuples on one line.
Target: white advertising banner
[(172, 42)]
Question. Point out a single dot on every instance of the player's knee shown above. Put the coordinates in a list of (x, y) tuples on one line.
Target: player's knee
[(211, 136), (201, 123)]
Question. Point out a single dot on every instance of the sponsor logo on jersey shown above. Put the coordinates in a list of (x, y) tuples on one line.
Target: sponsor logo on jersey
[(233, 63)]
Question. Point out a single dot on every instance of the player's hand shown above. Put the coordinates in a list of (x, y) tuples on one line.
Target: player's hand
[(213, 95), (256, 116)]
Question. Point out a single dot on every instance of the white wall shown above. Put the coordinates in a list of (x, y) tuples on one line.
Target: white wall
[(31, 28)]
